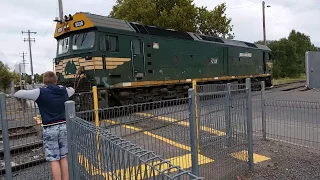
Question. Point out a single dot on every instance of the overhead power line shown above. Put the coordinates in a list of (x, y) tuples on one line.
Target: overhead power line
[(278, 19), (48, 29), (242, 6), (253, 2)]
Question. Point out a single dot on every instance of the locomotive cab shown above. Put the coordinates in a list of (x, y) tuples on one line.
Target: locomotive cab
[(76, 53)]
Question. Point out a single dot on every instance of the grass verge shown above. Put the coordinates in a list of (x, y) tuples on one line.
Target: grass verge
[(288, 80)]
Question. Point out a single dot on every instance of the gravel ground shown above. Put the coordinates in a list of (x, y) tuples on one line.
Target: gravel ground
[(41, 172), (287, 162)]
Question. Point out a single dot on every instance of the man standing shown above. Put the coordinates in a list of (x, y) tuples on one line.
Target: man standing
[(51, 101)]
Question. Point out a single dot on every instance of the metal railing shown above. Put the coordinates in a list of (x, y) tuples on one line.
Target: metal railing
[(96, 152), (162, 127), (291, 121), (185, 130), (22, 149), (225, 129), (208, 133)]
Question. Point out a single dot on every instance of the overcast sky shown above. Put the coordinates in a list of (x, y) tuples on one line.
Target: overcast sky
[(38, 15)]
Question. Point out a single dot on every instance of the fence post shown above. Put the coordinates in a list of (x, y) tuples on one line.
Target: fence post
[(5, 136), (263, 111), (249, 124), (228, 115), (193, 132), (196, 100), (70, 114)]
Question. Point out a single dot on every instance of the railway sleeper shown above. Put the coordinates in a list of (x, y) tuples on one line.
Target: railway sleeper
[(24, 166), (22, 148), (20, 135)]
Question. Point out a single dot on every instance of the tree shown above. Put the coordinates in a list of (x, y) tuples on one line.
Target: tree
[(5, 76), (181, 15), (38, 78), (27, 78), (304, 43), (15, 77), (288, 54), (285, 58), (214, 22)]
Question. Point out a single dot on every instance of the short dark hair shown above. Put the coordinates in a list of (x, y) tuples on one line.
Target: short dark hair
[(49, 77)]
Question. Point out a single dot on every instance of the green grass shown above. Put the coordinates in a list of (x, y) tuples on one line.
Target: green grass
[(288, 80)]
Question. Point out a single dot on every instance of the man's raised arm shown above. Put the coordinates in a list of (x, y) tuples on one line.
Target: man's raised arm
[(70, 91), (28, 94)]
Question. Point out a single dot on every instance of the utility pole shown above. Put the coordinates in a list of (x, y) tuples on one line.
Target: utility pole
[(60, 10), (23, 54), (53, 66), (264, 21), (20, 75), (29, 39)]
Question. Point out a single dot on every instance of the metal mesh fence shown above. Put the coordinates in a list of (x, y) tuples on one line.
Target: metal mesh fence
[(114, 157), (295, 122), (24, 131), (223, 113), (257, 89), (237, 89), (223, 116), (162, 127)]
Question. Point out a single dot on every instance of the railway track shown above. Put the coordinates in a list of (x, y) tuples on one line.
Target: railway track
[(25, 148), (27, 156), (20, 131), (298, 83)]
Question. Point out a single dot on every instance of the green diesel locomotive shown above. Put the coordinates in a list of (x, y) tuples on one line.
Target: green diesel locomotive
[(132, 63)]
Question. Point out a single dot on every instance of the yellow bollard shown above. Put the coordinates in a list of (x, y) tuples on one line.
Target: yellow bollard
[(97, 123), (194, 87), (95, 105)]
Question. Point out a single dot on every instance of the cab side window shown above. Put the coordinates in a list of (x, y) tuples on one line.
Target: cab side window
[(103, 43), (136, 46), (109, 43), (113, 43)]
